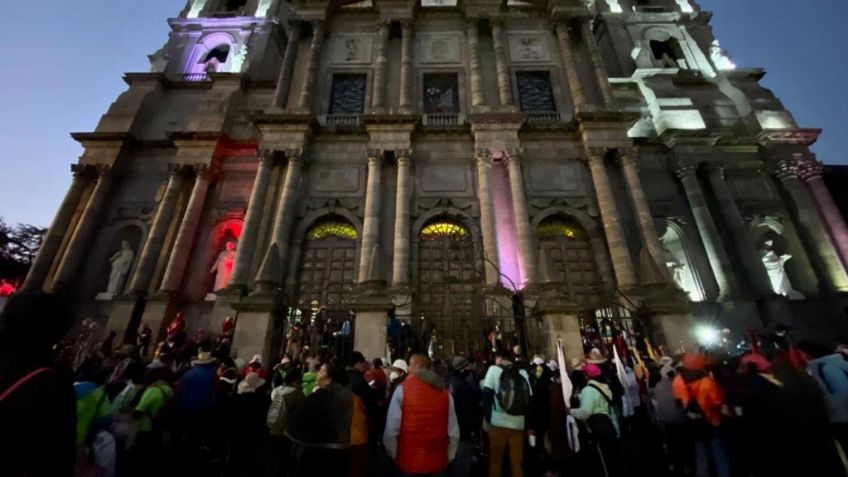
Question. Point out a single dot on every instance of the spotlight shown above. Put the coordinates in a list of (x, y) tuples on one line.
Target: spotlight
[(707, 335)]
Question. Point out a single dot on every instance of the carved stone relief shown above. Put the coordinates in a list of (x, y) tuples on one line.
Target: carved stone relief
[(439, 49), (529, 48), (352, 49), (554, 177)]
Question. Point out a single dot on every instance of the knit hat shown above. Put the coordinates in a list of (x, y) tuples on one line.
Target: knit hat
[(459, 363), (592, 370), (251, 383), (595, 357)]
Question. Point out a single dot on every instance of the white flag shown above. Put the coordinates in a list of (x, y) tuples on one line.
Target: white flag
[(626, 405), (567, 387)]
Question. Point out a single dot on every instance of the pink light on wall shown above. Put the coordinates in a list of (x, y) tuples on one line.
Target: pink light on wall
[(508, 256)]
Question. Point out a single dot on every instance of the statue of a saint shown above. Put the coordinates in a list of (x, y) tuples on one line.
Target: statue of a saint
[(223, 267), (675, 268), (775, 266), (120, 264), (720, 57)]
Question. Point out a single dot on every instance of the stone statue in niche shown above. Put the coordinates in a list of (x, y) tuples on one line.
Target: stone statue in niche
[(720, 57), (120, 264), (159, 60), (211, 65), (223, 267), (675, 267), (776, 267)]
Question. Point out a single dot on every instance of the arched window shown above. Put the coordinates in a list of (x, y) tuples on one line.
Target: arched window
[(335, 229), (668, 53), (569, 256), (443, 229), (232, 5)]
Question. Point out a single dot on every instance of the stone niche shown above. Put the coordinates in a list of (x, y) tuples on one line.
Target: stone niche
[(351, 49), (529, 48), (439, 49), (553, 179)]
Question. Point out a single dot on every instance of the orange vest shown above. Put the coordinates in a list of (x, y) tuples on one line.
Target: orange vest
[(359, 423), (423, 440)]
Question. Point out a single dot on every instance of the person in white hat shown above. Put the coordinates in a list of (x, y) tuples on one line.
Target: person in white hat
[(397, 373)]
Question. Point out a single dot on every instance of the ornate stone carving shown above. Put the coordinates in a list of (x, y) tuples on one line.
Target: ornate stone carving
[(439, 49), (528, 48)]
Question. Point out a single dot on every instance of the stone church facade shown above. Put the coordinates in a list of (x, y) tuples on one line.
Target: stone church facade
[(563, 170)]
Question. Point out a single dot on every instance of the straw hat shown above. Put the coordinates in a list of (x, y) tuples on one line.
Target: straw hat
[(595, 357), (401, 365), (250, 384)]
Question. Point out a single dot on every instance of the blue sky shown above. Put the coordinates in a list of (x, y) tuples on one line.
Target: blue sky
[(64, 60)]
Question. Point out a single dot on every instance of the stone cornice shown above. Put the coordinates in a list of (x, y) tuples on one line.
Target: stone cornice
[(796, 137)]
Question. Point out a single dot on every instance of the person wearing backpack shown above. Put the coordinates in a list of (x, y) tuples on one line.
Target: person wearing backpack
[(831, 371), (507, 396), (703, 401), (285, 401), (598, 412)]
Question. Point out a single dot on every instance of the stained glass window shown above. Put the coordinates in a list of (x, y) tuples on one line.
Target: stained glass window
[(341, 230), (441, 93), (534, 91), (438, 230), (559, 229), (348, 95)]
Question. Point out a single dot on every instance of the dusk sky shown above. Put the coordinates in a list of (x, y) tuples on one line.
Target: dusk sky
[(64, 61)]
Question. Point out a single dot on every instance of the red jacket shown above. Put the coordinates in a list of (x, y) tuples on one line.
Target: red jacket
[(423, 441)]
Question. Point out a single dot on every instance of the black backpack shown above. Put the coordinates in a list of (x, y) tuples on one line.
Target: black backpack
[(513, 392), (601, 427)]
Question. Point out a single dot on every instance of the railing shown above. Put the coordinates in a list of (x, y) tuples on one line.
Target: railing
[(340, 120), (543, 117), (195, 77), (443, 119)]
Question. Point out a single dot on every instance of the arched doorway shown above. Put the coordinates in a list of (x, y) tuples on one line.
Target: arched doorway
[(327, 267), (570, 258), (448, 313)]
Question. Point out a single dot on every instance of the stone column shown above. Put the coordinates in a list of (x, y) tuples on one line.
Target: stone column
[(616, 241), (487, 216), (526, 244), (58, 228), (400, 268), (153, 245), (371, 222), (83, 234), (748, 254), (281, 94), (597, 62), (187, 232), (285, 206), (647, 228), (719, 261), (807, 215), (378, 97), (478, 101), (304, 104), (252, 222), (502, 66), (406, 67), (566, 48), (811, 172)]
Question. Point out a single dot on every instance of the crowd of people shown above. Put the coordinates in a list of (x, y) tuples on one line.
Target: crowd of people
[(771, 409)]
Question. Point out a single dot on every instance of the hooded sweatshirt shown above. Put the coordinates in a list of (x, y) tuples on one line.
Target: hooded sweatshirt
[(696, 384), (831, 372), (422, 432)]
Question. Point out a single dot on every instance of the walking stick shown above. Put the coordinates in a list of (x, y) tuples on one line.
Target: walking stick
[(603, 462)]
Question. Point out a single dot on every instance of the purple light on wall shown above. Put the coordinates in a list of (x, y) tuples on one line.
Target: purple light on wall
[(508, 256)]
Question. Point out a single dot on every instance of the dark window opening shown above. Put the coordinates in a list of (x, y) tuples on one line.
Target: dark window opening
[(534, 91), (668, 53), (233, 5), (348, 94), (441, 93), (220, 53)]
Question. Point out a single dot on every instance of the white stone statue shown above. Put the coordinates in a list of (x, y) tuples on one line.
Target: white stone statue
[(223, 267), (159, 60), (675, 268), (776, 267), (720, 57), (120, 264)]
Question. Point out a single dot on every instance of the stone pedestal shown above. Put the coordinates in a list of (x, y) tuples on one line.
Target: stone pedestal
[(255, 328), (224, 306), (370, 333), (121, 316), (560, 324), (674, 330), (157, 313)]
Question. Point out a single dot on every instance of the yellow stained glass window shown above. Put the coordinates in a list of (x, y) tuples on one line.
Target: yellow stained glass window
[(438, 230), (558, 229), (341, 230)]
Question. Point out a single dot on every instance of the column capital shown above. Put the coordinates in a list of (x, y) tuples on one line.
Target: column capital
[(406, 23), (483, 157), (267, 157), (176, 170), (810, 169), (205, 172), (384, 23), (403, 155), (683, 169), (102, 171), (626, 157), (375, 157), (294, 156), (471, 25), (715, 170)]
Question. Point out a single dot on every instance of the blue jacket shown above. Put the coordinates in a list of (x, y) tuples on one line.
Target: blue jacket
[(832, 374), (196, 389)]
